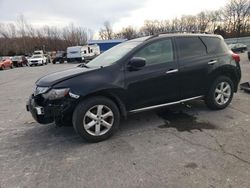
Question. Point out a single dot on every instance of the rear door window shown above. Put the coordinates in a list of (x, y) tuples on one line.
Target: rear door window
[(190, 47)]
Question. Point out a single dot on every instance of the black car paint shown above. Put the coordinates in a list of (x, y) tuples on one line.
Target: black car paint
[(57, 77), (137, 89)]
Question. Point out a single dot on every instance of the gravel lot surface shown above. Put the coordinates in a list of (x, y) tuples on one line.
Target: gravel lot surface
[(183, 146)]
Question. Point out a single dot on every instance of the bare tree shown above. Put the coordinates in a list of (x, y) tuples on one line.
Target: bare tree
[(236, 15), (106, 32), (127, 33)]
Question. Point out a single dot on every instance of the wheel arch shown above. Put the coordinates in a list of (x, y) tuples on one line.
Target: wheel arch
[(110, 95), (225, 71)]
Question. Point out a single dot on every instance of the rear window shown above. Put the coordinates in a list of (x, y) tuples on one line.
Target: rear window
[(190, 47), (214, 45)]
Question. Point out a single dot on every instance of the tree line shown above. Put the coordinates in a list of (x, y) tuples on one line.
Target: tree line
[(22, 38), (231, 21)]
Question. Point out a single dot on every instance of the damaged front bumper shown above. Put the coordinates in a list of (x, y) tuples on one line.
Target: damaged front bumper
[(45, 111)]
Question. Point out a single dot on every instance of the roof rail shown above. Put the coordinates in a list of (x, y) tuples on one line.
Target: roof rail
[(173, 32), (151, 37)]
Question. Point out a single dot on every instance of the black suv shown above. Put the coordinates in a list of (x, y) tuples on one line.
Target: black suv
[(137, 75), (60, 57)]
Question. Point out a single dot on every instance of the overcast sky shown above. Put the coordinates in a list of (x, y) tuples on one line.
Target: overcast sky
[(93, 13)]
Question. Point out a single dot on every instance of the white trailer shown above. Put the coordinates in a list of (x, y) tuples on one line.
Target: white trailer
[(90, 51), (75, 54)]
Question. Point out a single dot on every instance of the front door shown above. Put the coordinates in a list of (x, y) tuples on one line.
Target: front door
[(157, 82)]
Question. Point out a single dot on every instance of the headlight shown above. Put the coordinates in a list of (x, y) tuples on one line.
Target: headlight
[(40, 90), (54, 94)]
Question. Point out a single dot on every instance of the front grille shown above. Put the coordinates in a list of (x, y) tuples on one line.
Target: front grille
[(34, 61), (39, 100)]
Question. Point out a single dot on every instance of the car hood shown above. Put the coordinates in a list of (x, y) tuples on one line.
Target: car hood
[(36, 59), (54, 78)]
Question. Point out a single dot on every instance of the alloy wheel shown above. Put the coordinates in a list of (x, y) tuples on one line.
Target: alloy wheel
[(98, 120), (222, 93)]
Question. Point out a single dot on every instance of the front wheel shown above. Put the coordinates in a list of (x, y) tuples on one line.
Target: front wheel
[(220, 94), (96, 119)]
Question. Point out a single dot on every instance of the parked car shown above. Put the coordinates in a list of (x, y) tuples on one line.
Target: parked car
[(5, 62), (238, 47), (60, 57), (138, 75), (37, 60), (19, 61), (47, 58)]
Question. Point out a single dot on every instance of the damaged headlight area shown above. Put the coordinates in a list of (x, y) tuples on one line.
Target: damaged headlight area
[(40, 90), (55, 94)]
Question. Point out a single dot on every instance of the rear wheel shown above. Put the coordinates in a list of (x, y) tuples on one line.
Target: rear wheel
[(96, 119), (220, 94)]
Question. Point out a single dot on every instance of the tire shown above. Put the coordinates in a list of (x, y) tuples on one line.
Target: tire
[(92, 105), (11, 66), (218, 96)]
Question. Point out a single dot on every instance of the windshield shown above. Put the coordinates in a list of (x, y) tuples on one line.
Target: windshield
[(17, 58), (59, 54), (112, 55), (36, 56)]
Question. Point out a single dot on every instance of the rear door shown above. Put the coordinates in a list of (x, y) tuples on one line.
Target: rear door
[(193, 66)]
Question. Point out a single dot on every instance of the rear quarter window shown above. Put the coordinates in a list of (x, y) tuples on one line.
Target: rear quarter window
[(190, 47), (214, 45)]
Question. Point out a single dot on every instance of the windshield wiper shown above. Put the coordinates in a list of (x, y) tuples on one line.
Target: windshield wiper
[(83, 65)]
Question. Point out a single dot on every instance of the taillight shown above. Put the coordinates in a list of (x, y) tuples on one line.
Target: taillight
[(236, 57)]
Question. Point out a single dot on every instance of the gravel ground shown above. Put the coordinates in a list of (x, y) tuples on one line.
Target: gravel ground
[(183, 146)]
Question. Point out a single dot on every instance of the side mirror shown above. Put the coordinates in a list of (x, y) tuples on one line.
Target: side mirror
[(136, 63)]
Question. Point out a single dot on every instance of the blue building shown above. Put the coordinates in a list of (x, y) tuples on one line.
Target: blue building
[(106, 44)]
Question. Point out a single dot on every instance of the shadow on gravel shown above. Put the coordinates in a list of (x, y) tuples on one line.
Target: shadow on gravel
[(182, 121)]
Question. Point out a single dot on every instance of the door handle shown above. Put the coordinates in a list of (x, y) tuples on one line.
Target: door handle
[(212, 62), (172, 71)]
